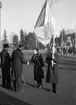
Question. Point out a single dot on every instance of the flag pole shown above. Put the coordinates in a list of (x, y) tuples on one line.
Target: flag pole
[(53, 40), (35, 37), (36, 42), (50, 7)]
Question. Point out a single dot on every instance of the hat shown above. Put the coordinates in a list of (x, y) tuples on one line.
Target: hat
[(6, 45)]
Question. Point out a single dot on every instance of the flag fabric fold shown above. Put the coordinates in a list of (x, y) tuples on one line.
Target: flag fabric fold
[(41, 18), (44, 26)]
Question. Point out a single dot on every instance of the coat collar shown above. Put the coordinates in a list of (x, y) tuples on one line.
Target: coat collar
[(18, 49)]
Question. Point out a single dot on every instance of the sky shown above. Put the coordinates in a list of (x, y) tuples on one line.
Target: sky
[(17, 14)]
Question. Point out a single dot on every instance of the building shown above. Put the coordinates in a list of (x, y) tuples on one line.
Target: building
[(69, 40)]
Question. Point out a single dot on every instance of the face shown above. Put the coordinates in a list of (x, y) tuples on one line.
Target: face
[(7, 49), (21, 48), (35, 52), (49, 50)]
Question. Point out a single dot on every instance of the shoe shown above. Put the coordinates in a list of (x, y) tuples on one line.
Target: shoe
[(37, 86), (54, 91), (3, 86), (40, 87), (24, 83)]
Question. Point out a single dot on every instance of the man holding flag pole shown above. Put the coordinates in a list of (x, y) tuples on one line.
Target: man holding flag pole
[(44, 31)]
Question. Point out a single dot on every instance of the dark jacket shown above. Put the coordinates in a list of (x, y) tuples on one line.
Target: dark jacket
[(52, 72), (37, 59), (17, 63), (49, 59), (5, 62)]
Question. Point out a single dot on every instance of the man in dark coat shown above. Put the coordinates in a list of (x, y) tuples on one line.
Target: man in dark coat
[(5, 67), (17, 68), (37, 59)]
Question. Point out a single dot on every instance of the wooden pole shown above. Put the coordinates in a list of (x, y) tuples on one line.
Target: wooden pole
[(36, 42), (0, 26), (0, 23)]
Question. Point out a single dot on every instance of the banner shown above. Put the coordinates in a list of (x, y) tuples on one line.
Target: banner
[(44, 28)]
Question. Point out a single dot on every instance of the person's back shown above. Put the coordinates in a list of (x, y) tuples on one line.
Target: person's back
[(5, 59), (17, 68), (16, 56), (17, 63), (5, 67)]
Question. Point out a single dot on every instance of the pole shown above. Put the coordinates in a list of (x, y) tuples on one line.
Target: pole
[(36, 42), (53, 50), (0, 20), (0, 25)]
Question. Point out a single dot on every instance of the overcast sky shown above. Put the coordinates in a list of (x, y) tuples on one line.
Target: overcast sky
[(17, 14)]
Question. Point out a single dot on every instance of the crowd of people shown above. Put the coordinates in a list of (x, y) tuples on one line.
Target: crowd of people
[(12, 68), (66, 50)]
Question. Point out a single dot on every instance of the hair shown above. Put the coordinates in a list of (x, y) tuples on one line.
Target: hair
[(20, 46)]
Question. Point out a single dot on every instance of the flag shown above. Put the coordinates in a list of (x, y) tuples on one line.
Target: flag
[(44, 28), (41, 18)]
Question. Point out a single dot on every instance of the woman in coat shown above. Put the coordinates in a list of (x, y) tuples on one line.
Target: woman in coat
[(52, 71), (38, 64)]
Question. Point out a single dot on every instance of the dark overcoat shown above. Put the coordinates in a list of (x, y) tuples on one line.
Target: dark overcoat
[(17, 63), (52, 72), (5, 63), (37, 59), (17, 69)]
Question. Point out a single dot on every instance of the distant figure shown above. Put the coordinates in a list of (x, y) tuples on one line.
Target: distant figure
[(37, 59), (17, 68), (73, 50), (5, 67), (52, 71)]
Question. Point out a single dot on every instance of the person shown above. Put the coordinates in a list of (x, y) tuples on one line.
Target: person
[(38, 62), (17, 69), (52, 70), (5, 67)]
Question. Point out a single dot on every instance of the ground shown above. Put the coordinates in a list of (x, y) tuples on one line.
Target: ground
[(31, 96)]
